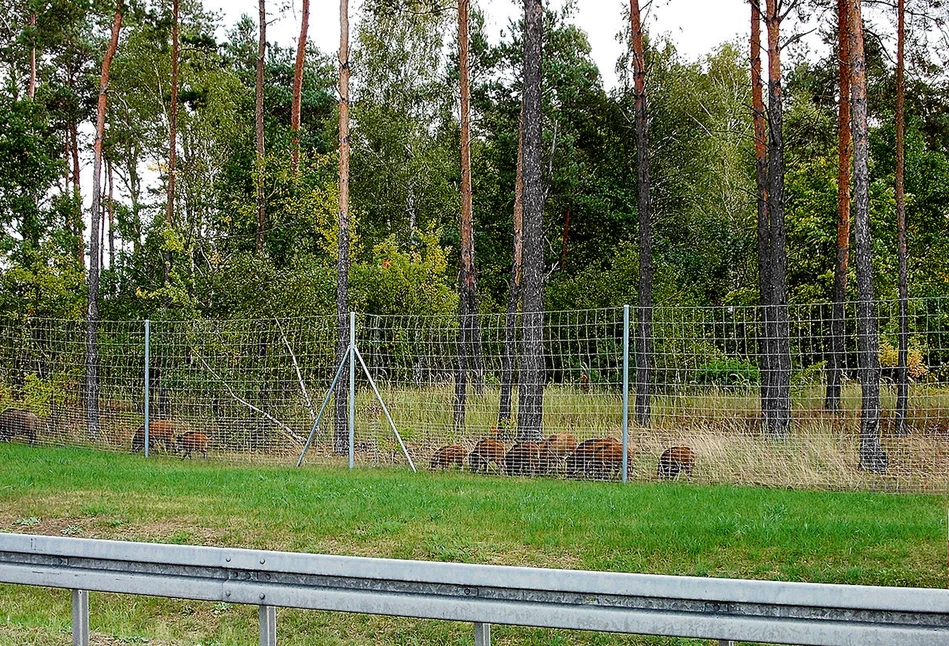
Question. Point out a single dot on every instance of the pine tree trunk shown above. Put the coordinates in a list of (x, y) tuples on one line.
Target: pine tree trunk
[(92, 321), (341, 432), (765, 345), (298, 85), (779, 422), (644, 310), (872, 456), (902, 364), (514, 292), (838, 346), (469, 337), (172, 143), (67, 153), (531, 390), (259, 122)]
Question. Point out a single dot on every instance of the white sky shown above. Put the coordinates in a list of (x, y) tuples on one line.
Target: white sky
[(695, 26)]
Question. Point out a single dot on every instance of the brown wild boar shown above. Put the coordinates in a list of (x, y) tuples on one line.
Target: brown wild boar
[(190, 442), (676, 460), (485, 452), (581, 462), (16, 421), (555, 449), (452, 455), (523, 459), (608, 460), (159, 430)]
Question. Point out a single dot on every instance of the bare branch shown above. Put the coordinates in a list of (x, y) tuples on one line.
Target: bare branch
[(306, 395), (287, 430)]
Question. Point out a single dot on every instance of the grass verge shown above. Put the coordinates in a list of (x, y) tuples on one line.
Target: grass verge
[(668, 528)]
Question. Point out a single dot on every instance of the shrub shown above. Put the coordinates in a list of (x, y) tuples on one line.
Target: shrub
[(728, 373)]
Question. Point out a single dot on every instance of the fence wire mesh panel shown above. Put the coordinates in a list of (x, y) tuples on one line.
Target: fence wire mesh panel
[(252, 389)]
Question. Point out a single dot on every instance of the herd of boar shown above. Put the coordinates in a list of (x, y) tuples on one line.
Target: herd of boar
[(16, 422), (600, 458), (163, 432)]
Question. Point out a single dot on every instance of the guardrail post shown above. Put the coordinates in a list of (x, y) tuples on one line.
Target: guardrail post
[(268, 626), (482, 634), (80, 618)]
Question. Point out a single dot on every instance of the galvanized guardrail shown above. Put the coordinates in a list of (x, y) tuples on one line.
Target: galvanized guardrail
[(722, 609)]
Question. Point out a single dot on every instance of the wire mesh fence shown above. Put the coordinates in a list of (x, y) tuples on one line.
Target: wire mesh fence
[(252, 390)]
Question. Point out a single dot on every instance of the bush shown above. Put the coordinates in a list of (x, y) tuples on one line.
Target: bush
[(728, 373)]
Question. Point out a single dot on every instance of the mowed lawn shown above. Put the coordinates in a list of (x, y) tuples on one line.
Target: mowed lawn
[(667, 528)]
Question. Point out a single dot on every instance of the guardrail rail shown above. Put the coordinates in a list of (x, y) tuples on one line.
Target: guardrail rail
[(677, 606)]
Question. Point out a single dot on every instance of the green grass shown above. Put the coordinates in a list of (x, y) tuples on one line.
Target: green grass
[(668, 528)]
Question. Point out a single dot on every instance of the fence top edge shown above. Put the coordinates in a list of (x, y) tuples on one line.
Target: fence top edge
[(578, 581)]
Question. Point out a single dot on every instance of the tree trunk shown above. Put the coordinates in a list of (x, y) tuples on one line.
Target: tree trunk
[(103, 207), (765, 345), (644, 310), (77, 225), (902, 364), (298, 85), (259, 123), (341, 433), (872, 456), (469, 346), (92, 322), (66, 156), (172, 143), (778, 417), (531, 390), (514, 292), (838, 346)]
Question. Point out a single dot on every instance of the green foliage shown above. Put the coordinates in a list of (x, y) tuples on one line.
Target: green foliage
[(405, 282), (405, 167), (728, 373)]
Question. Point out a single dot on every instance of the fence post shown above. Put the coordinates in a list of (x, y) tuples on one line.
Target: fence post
[(80, 618), (148, 341), (268, 625), (482, 634), (625, 392), (352, 389)]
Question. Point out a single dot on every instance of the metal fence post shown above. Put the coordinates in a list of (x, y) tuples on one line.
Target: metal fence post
[(148, 341), (80, 618), (352, 389), (482, 634), (625, 392), (268, 626)]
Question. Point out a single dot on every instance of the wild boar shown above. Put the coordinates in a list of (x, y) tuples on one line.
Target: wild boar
[(485, 452), (452, 455), (676, 460), (159, 430), (16, 421), (523, 459), (190, 442)]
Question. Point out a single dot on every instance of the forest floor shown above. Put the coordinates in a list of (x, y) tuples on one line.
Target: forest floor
[(664, 528)]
